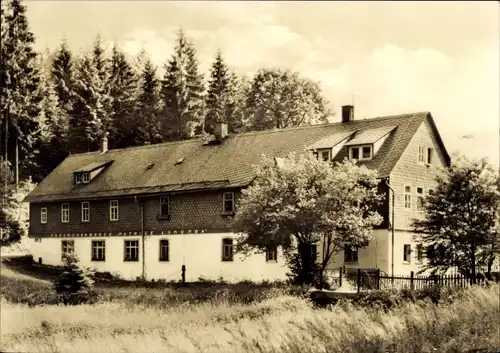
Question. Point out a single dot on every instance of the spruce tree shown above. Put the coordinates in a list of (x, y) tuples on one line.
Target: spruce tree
[(217, 102), (182, 91), (122, 84), (63, 75), (149, 128), (20, 101)]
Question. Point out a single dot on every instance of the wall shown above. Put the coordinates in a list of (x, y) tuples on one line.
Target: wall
[(201, 253)]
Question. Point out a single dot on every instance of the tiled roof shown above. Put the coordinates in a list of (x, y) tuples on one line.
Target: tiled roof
[(331, 141), (153, 168), (92, 166), (370, 136)]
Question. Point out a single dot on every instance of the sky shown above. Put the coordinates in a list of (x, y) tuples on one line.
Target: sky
[(387, 57)]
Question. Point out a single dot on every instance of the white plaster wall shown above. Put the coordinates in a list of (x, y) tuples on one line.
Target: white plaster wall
[(400, 267), (201, 253)]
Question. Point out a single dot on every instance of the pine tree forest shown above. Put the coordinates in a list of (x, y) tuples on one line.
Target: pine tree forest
[(64, 101)]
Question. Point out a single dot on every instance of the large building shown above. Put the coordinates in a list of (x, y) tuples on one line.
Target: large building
[(146, 211)]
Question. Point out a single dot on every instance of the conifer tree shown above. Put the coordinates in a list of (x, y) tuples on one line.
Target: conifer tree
[(63, 75), (122, 83), (182, 91), (20, 100), (217, 102)]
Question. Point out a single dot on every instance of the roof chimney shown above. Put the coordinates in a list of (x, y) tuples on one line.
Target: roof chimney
[(347, 113), (220, 130), (104, 143)]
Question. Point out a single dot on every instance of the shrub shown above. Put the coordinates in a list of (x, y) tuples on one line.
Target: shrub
[(75, 285)]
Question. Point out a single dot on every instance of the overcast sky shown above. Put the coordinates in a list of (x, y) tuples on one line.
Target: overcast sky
[(393, 57)]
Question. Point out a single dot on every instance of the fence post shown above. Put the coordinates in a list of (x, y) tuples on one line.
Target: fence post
[(183, 273), (378, 278), (340, 276), (359, 279), (412, 275)]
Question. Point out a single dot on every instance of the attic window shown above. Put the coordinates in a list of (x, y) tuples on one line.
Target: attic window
[(78, 178), (325, 155), (85, 177), (179, 161), (361, 153)]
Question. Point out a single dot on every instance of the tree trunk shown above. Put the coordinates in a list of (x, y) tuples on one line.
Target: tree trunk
[(473, 264), (17, 164)]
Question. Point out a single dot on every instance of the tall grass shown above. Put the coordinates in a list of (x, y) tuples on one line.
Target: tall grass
[(280, 324)]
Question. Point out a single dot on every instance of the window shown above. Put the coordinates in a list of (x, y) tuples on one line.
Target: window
[(367, 152), (360, 152), (407, 196), (420, 199), (131, 250), (421, 151), (98, 250), (43, 215), (67, 247), (65, 213), (429, 156), (325, 155), (227, 249), (420, 253), (164, 206), (271, 253), (113, 210), (407, 253), (164, 255), (86, 178), (350, 254), (228, 200), (85, 211), (78, 178)]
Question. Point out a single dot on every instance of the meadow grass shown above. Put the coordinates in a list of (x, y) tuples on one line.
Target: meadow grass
[(276, 323)]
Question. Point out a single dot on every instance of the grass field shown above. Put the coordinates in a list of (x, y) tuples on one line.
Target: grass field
[(238, 318)]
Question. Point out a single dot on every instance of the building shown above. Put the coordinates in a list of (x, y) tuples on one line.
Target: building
[(146, 211)]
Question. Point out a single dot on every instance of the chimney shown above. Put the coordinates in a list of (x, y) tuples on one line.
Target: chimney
[(104, 143), (220, 130), (347, 113)]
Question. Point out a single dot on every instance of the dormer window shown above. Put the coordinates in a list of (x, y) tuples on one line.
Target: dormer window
[(85, 177), (361, 152), (78, 178), (325, 155)]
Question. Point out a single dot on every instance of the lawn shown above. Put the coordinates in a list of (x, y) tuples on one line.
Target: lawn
[(221, 320)]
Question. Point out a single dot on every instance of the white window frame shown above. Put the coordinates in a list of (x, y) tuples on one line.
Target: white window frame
[(419, 195), (320, 154), (67, 247), (421, 155), (97, 245), (86, 178), (360, 152), (407, 260), (114, 206), (78, 178), (225, 199), (271, 254), (162, 199), (129, 247), (85, 206), (43, 215), (407, 197), (63, 213), (224, 246)]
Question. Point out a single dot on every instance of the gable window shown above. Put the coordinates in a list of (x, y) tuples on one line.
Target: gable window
[(67, 247), (350, 254), (85, 211), (164, 247), (43, 215), (228, 201), (420, 199), (421, 154), (429, 155), (131, 250), (326, 155), (86, 177), (227, 249), (271, 253), (360, 152), (407, 196), (113, 210), (407, 253), (65, 213), (98, 250), (164, 206), (78, 178), (420, 253)]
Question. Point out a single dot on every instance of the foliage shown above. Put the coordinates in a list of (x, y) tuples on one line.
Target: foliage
[(281, 98), (461, 217), (75, 284), (297, 202), (217, 94)]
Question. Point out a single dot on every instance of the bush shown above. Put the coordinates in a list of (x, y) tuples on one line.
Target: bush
[(75, 285)]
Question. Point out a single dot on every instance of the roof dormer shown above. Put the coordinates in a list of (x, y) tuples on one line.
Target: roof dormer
[(327, 148), (366, 143), (89, 172)]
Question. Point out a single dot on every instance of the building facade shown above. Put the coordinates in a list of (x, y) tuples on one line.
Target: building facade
[(148, 211)]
